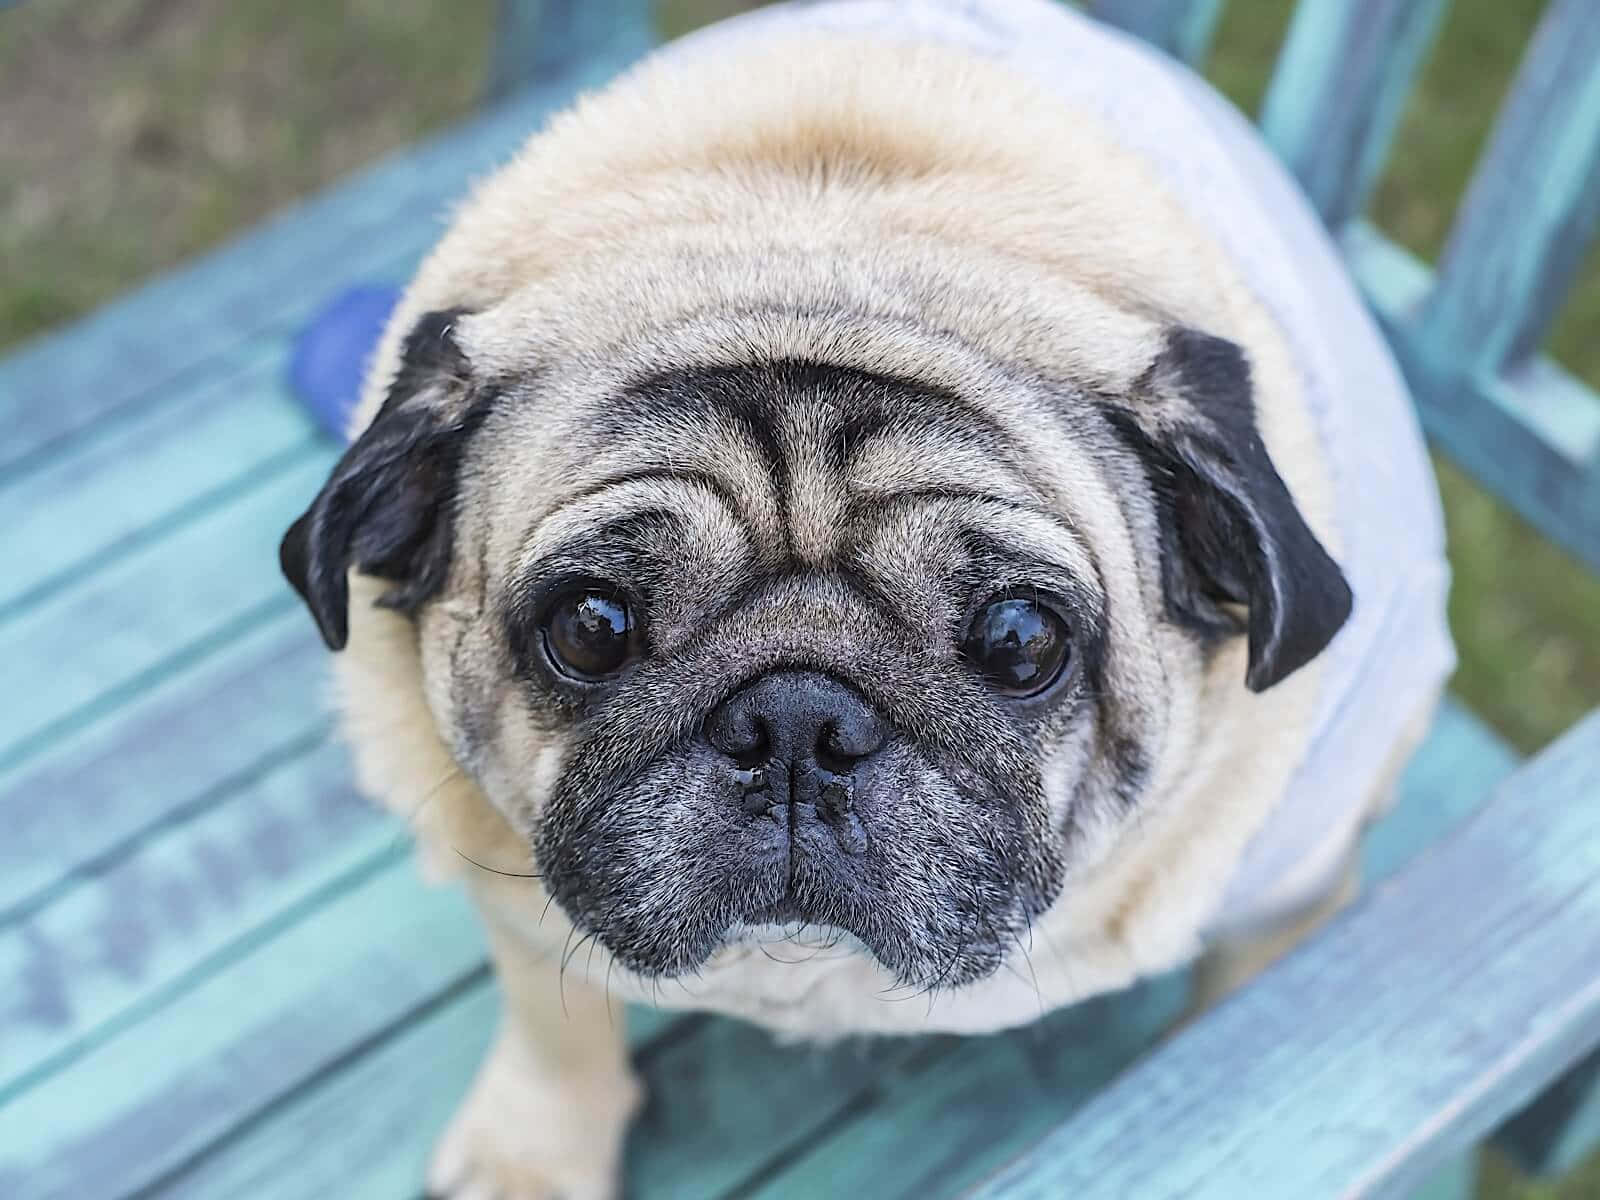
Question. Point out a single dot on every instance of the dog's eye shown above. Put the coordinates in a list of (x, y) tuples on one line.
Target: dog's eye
[(1020, 646), (590, 633)]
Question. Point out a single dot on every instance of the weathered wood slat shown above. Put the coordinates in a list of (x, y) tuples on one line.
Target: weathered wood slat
[(918, 1101), (387, 1123), (1562, 1127), (538, 40), (107, 493), (113, 632), (1530, 211), (937, 1130), (942, 1118), (1394, 1041), (717, 1116), (1182, 28), (1450, 778), (373, 226), (176, 750), (1531, 435), (129, 936), (286, 1007), (1337, 92), (380, 1151)]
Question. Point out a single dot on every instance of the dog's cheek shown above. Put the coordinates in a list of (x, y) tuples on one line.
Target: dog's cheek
[(950, 877), (659, 869), (496, 736)]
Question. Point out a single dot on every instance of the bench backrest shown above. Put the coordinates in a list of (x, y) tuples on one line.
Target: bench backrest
[(1467, 334)]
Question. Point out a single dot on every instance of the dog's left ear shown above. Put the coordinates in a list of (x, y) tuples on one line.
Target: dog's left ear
[(387, 507), (1230, 532)]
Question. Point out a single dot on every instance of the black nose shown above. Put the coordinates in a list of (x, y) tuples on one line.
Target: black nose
[(799, 718)]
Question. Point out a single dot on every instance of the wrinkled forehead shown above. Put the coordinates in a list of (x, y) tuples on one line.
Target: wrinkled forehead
[(803, 416), (789, 416), (698, 482)]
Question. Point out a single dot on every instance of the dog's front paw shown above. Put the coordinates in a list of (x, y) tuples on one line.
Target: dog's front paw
[(523, 1135)]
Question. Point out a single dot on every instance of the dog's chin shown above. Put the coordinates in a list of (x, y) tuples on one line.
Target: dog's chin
[(784, 928), (785, 933)]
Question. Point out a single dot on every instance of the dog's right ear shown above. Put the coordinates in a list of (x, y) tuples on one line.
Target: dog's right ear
[(1232, 535), (388, 507)]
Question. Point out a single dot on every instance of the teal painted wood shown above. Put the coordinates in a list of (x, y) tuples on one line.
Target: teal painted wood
[(716, 1118), (1450, 778), (941, 1119), (1337, 92), (123, 940), (1531, 209), (1562, 1127), (108, 494), (179, 748), (139, 348), (1530, 435), (1182, 28), (540, 40), (107, 636), (938, 1127), (1397, 1039), (379, 1150), (1455, 1180), (388, 1105), (284, 1007)]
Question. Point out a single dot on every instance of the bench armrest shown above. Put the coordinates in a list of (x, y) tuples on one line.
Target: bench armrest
[(1419, 1021)]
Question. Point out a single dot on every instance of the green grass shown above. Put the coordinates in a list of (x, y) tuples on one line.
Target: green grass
[(135, 133)]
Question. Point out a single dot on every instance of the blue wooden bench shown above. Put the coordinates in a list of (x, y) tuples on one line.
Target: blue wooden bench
[(220, 976)]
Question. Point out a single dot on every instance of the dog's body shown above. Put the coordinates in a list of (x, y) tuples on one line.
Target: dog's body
[(809, 378)]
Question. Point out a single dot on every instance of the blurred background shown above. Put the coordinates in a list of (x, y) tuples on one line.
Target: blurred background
[(135, 133)]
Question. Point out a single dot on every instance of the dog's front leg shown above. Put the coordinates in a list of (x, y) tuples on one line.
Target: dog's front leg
[(547, 1114)]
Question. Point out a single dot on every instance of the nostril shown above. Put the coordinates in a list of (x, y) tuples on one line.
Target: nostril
[(739, 733), (844, 743), (846, 739)]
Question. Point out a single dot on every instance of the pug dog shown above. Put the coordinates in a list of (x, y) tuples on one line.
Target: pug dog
[(904, 481)]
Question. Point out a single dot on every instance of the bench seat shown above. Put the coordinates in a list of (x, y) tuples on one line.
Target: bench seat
[(221, 976)]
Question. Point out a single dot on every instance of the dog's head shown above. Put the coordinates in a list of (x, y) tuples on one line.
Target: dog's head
[(783, 640)]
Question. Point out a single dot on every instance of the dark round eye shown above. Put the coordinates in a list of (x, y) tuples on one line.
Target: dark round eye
[(590, 633), (1020, 646)]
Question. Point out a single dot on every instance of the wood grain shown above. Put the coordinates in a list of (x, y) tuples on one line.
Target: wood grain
[(352, 965), (538, 41), (1531, 209), (1531, 435), (1337, 91), (1396, 1040), (109, 634), (174, 750)]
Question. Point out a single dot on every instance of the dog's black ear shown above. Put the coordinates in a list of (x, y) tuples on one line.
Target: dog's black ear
[(1231, 536), (387, 507)]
